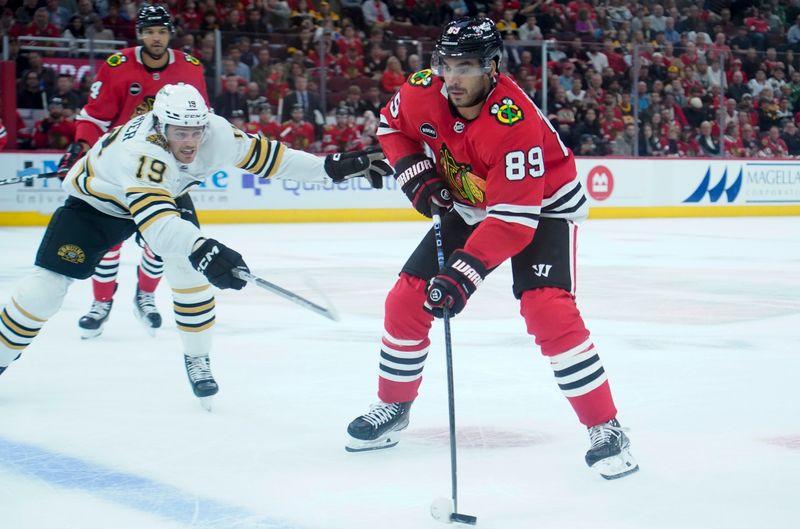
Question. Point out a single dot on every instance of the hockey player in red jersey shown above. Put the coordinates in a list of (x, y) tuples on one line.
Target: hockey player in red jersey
[(125, 86), (511, 191)]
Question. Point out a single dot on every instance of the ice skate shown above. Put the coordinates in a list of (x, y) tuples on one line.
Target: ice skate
[(610, 452), (92, 322), (204, 386), (144, 308), (379, 427)]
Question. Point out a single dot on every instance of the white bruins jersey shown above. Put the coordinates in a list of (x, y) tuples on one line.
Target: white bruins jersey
[(130, 173)]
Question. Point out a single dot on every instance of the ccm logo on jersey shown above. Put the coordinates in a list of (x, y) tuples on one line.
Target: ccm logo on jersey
[(428, 130), (469, 272), (207, 258), (414, 170)]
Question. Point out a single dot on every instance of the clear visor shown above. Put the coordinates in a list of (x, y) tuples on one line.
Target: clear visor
[(459, 66), (181, 133)]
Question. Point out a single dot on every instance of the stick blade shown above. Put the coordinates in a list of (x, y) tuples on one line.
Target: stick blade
[(466, 519)]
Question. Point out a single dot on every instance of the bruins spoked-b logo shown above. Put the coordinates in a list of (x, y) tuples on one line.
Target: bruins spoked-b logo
[(506, 113), (72, 254), (421, 78)]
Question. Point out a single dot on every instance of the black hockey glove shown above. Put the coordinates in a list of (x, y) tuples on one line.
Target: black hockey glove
[(217, 262), (419, 180), (369, 163), (73, 153), (451, 289)]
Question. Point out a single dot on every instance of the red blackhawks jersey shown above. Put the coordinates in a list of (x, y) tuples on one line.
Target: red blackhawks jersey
[(505, 169), (125, 87)]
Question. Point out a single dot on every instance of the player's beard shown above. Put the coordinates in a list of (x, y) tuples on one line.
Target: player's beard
[(479, 97), (154, 56)]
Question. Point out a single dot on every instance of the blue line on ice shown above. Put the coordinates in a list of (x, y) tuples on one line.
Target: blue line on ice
[(129, 490)]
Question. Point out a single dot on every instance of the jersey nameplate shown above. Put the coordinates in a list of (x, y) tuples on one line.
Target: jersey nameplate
[(506, 112)]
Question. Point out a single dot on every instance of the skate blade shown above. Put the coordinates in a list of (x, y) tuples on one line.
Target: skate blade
[(145, 323), (206, 402), (358, 445), (88, 334), (616, 467)]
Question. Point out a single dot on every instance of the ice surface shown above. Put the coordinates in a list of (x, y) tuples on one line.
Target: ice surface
[(697, 322)]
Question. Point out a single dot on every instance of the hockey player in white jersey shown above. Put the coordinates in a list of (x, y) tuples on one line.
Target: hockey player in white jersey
[(136, 177)]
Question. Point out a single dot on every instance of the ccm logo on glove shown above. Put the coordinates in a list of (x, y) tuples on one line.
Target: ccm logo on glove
[(207, 258)]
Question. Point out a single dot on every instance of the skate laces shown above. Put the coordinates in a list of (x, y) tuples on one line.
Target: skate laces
[(198, 368), (146, 301), (100, 309), (602, 434), (381, 413)]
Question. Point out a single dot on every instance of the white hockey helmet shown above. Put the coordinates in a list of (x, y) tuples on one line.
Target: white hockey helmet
[(179, 104)]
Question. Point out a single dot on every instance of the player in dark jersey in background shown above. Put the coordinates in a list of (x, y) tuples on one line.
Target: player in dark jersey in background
[(125, 86), (511, 191)]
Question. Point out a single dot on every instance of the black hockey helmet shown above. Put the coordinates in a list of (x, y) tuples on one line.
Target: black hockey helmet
[(469, 38), (153, 15)]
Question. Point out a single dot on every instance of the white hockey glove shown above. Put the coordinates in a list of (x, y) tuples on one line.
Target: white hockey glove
[(369, 163)]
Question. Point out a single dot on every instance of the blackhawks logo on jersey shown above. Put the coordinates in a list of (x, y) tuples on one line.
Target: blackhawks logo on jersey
[(506, 112), (145, 106), (465, 184), (422, 78), (116, 59), (191, 59)]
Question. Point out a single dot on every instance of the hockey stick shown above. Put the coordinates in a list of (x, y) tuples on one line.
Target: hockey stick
[(439, 509), (329, 312), (25, 179)]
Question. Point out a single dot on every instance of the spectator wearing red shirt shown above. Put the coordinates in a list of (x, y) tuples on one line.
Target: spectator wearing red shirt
[(758, 27), (190, 17), (53, 131), (351, 64), (40, 27), (297, 133), (341, 136), (393, 76), (267, 124), (349, 39), (615, 60)]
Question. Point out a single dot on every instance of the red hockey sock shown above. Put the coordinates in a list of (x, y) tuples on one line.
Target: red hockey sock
[(405, 343), (553, 318), (104, 291), (147, 283)]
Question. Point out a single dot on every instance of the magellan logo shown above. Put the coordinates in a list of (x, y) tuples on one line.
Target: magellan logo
[(715, 193), (428, 130)]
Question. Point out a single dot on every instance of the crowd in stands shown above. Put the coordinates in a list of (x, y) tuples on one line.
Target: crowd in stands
[(672, 78)]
